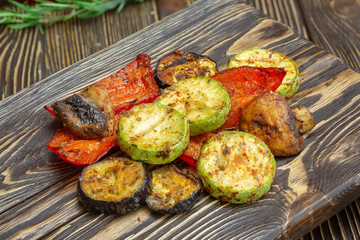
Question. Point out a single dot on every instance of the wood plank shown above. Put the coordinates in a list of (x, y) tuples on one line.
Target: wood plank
[(335, 25), (26, 56), (285, 11), (304, 194)]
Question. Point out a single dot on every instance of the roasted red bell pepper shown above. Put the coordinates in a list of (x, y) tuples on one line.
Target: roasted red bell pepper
[(132, 85), (243, 85), (78, 151)]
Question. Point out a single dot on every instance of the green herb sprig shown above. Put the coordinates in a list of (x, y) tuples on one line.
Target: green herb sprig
[(42, 12)]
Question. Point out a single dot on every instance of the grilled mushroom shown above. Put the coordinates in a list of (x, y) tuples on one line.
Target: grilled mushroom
[(270, 118), (88, 114)]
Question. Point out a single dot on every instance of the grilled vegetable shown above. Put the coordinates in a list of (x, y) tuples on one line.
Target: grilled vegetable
[(193, 150), (181, 65), (258, 57), (77, 151), (174, 190), (236, 167), (244, 84), (116, 185), (88, 114), (204, 101), (132, 85), (269, 117), (153, 133), (304, 120)]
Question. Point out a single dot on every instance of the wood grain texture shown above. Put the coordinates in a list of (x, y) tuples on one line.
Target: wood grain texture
[(308, 188), (63, 44), (335, 25), (285, 11), (340, 37)]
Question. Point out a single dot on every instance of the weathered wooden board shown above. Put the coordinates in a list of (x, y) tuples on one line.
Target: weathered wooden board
[(37, 190)]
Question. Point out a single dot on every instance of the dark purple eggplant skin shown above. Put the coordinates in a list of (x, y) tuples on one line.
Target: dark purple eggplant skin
[(121, 207), (184, 57), (184, 205)]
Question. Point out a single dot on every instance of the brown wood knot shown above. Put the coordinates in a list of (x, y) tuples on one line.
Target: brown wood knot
[(346, 8)]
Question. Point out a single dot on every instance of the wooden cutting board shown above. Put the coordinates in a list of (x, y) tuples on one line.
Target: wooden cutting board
[(38, 196)]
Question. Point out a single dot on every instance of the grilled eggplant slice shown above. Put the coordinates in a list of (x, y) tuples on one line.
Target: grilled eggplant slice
[(258, 57), (174, 190), (236, 167), (88, 114), (204, 101), (116, 185), (180, 65), (153, 133)]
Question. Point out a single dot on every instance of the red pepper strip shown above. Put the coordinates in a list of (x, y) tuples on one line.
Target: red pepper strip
[(192, 152), (132, 85), (243, 85), (78, 151)]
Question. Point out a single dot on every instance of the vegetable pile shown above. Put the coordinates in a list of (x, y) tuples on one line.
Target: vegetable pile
[(229, 125)]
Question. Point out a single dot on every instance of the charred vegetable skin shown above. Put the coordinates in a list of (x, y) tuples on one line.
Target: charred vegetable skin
[(181, 65), (174, 190), (132, 85), (116, 185), (236, 167), (88, 114)]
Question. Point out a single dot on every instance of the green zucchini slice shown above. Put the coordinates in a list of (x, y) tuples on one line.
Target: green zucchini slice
[(116, 185), (258, 57), (204, 101), (153, 133), (236, 167), (174, 189)]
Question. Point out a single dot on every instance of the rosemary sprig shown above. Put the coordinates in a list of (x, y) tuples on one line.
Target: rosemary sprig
[(25, 15)]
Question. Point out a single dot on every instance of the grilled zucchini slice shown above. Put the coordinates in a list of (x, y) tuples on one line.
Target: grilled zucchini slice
[(153, 133), (116, 185), (205, 103), (236, 167), (258, 57), (174, 190), (180, 65)]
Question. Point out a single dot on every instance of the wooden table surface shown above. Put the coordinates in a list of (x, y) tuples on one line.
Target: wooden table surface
[(27, 57)]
